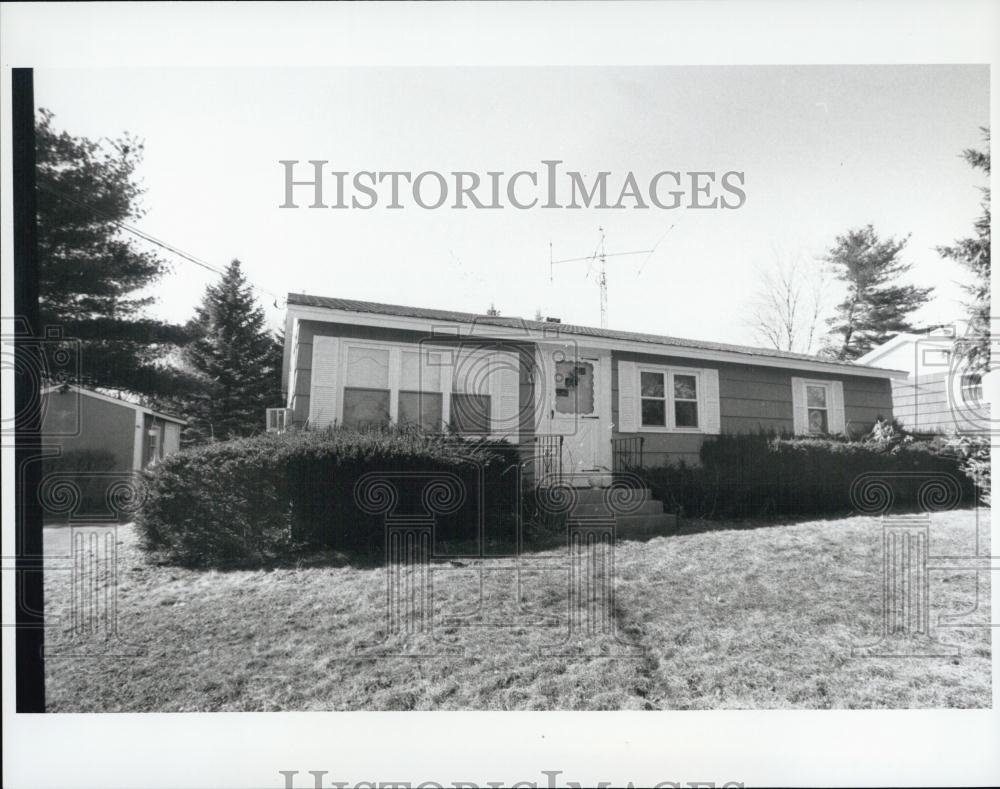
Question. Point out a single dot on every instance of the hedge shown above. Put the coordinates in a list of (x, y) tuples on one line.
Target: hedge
[(272, 495), (761, 474)]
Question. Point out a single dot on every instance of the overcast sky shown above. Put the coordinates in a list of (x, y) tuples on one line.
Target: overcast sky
[(823, 149)]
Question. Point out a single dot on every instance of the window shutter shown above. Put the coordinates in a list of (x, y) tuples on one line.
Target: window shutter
[(800, 414), (504, 395), (628, 398), (323, 391), (837, 421), (712, 418)]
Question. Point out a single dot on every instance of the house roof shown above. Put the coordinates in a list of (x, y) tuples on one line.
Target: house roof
[(879, 351), (397, 310), (116, 400)]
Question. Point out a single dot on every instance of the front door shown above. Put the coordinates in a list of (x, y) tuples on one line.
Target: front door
[(574, 403)]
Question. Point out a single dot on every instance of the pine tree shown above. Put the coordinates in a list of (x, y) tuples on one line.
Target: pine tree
[(974, 254), (91, 274), (237, 360), (876, 307)]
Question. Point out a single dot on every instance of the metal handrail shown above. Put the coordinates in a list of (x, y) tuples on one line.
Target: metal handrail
[(627, 454)]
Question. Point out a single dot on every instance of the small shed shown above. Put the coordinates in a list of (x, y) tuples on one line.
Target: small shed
[(82, 421)]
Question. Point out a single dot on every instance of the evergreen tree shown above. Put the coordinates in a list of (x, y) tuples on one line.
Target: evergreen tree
[(91, 274), (236, 359), (974, 254), (877, 307)]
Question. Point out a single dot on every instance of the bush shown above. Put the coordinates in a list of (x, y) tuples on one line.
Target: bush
[(974, 454), (260, 498), (766, 474)]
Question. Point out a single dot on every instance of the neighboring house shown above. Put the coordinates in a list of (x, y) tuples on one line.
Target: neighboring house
[(599, 400), (79, 420), (938, 395)]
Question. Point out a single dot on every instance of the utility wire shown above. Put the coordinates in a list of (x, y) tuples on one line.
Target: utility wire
[(154, 240)]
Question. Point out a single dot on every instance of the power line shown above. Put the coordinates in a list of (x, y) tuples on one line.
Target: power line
[(154, 240)]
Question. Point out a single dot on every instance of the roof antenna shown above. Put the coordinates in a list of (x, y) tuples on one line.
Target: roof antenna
[(601, 254)]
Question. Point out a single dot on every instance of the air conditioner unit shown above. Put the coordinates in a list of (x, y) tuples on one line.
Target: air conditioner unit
[(278, 419)]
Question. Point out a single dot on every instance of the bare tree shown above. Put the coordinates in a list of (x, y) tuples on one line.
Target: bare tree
[(790, 303)]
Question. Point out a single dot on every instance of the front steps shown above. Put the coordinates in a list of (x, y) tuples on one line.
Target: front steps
[(635, 512)]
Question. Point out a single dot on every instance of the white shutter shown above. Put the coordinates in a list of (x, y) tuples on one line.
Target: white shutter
[(628, 398), (712, 418), (504, 395), (800, 414), (171, 438), (836, 419), (323, 391)]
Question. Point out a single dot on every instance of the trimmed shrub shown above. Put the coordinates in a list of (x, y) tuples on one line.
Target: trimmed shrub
[(758, 474), (260, 498)]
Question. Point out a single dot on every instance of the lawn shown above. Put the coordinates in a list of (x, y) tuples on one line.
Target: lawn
[(748, 614)]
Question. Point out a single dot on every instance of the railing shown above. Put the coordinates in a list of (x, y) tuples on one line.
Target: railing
[(548, 458), (626, 453)]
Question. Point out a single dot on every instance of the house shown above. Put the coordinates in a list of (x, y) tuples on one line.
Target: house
[(128, 436), (582, 401), (938, 395)]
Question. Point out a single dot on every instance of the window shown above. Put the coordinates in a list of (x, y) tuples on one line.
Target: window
[(423, 409), (816, 402), (278, 419), (366, 409), (420, 400), (653, 399), (669, 399), (818, 407), (972, 388), (364, 384), (470, 413), (153, 446), (685, 401), (574, 387), (366, 393), (471, 403)]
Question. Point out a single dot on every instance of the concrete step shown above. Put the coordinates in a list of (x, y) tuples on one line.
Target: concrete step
[(597, 508), (591, 495), (627, 526)]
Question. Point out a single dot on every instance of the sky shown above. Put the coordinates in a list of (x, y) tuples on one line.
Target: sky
[(823, 149)]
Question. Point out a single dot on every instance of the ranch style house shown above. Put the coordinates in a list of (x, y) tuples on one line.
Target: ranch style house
[(581, 401)]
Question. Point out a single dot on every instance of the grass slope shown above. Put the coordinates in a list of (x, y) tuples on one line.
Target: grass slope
[(739, 617)]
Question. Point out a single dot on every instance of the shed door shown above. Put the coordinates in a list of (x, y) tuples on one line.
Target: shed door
[(171, 438)]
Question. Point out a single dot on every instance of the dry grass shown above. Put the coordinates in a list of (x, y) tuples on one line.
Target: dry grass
[(728, 618)]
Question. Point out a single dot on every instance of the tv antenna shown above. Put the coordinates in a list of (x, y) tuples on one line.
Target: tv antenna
[(600, 254)]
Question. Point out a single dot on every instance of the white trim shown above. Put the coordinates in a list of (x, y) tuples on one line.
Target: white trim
[(115, 400), (476, 331), (887, 347), (836, 411), (503, 382), (137, 441), (628, 401), (669, 415), (548, 421)]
